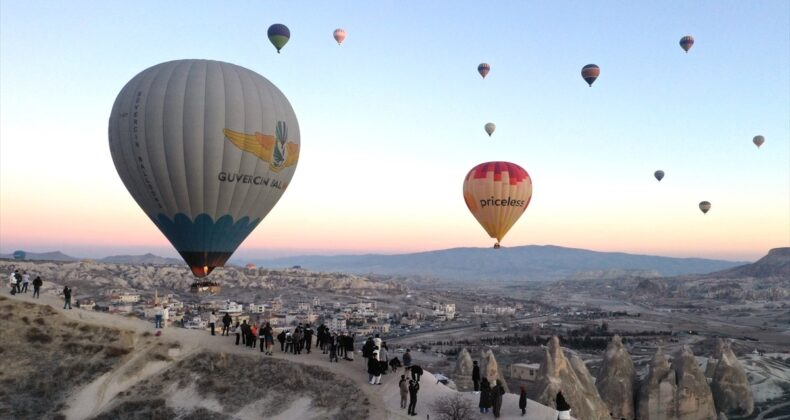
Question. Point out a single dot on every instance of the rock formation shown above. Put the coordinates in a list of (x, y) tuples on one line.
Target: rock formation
[(693, 399), (489, 369), (657, 393), (616, 380), (731, 391), (462, 376), (572, 377)]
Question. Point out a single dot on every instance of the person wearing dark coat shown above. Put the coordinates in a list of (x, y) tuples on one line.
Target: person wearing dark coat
[(348, 349), (395, 364), (331, 343), (476, 375), (245, 333), (485, 396), (416, 372), (226, 321), (496, 393), (37, 282), (563, 407), (522, 400), (374, 371), (414, 388), (66, 297), (308, 338), (281, 339)]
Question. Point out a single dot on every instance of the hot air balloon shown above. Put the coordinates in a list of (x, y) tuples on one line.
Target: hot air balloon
[(19, 255), (704, 206), (590, 72), (250, 266), (686, 43), (340, 35), (206, 149), (659, 175), (497, 193), (279, 35), (483, 69), (758, 141), (490, 127)]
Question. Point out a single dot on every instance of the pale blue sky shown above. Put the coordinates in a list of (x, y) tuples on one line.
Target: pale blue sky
[(393, 119)]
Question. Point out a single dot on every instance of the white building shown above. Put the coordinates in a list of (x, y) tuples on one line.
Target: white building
[(256, 308), (337, 324), (524, 371), (122, 298)]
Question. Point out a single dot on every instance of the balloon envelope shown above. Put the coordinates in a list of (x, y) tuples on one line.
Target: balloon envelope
[(758, 141), (483, 69), (279, 35), (497, 193), (686, 43), (19, 255), (340, 35), (704, 206), (206, 149), (590, 72), (490, 127), (659, 175)]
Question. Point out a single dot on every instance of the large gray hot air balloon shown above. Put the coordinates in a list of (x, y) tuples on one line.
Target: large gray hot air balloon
[(490, 127), (704, 206), (206, 149), (659, 174), (758, 141)]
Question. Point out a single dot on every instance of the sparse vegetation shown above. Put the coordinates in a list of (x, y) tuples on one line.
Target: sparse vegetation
[(453, 407)]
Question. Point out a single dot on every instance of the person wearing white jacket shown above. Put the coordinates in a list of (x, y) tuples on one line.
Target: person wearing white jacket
[(212, 321)]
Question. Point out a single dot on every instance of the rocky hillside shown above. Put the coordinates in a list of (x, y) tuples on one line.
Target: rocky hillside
[(774, 265)]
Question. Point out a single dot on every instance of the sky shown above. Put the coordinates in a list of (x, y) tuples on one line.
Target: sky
[(392, 120)]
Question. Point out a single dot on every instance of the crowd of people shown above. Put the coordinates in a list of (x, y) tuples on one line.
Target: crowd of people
[(20, 282)]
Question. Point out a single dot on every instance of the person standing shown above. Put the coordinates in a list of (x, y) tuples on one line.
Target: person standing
[(237, 331), (212, 321), (374, 372), (253, 335), (308, 338), (332, 343), (476, 375), (485, 396), (158, 313), (414, 388), (348, 349), (522, 400), (289, 342), (407, 359), (403, 385), (281, 339), (497, 392), (12, 281), (563, 407), (226, 321), (245, 332), (25, 281), (416, 372), (66, 297), (37, 282), (297, 340), (268, 337)]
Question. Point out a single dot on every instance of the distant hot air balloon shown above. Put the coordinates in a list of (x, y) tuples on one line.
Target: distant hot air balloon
[(206, 149), (19, 255), (704, 206), (686, 43), (758, 141), (483, 69), (279, 35), (659, 175), (340, 35), (490, 127), (497, 193), (250, 266), (590, 72)]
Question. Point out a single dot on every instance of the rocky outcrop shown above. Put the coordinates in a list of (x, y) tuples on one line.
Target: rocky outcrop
[(490, 369), (572, 377), (616, 380), (462, 375), (657, 393), (730, 387), (694, 400)]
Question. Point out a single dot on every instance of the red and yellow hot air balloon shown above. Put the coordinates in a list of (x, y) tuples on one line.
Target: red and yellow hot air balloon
[(497, 193)]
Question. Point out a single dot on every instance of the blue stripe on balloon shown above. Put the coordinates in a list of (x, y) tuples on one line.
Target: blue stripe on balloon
[(204, 234)]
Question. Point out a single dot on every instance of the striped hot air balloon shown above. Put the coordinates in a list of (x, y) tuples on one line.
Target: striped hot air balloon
[(279, 35), (686, 43), (340, 35), (758, 141), (206, 149), (497, 193), (590, 72), (483, 69), (704, 206)]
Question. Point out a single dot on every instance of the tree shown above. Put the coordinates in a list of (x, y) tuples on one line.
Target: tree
[(454, 407)]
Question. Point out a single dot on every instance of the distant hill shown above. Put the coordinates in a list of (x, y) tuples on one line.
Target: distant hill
[(775, 264), (523, 263), (140, 259), (43, 256)]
